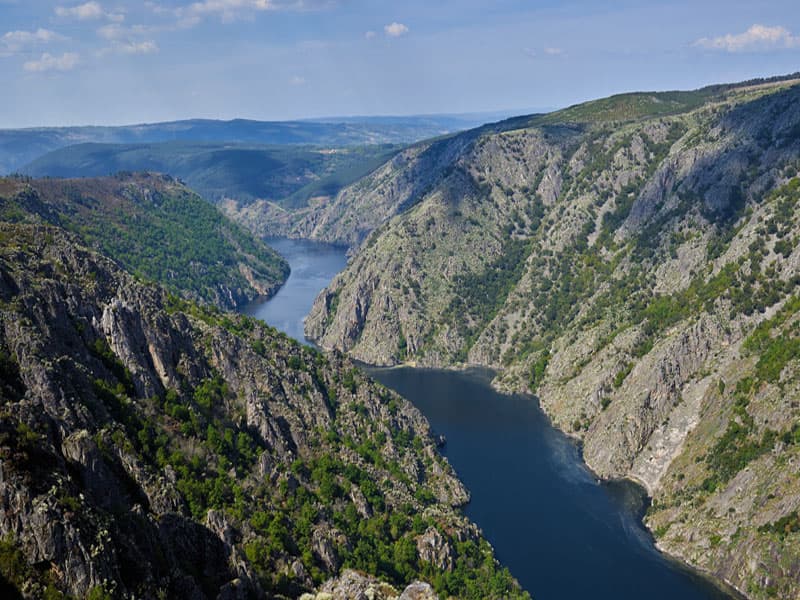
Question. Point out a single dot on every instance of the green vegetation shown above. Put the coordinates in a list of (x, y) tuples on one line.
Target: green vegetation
[(622, 374), (538, 369), (16, 574), (13, 567), (627, 107), (642, 105), (480, 295), (289, 175), (677, 234), (786, 525), (197, 432), (775, 350), (742, 442), (159, 231)]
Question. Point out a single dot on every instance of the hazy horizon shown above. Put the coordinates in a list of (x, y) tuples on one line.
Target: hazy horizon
[(466, 116)]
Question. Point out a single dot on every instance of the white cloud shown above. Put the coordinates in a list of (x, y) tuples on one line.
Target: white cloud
[(217, 6), (111, 32), (27, 37), (115, 31), (227, 10), (89, 10), (48, 62), (15, 41), (144, 47), (757, 37), (395, 29), (18, 39), (156, 7), (297, 80), (550, 51), (127, 40), (370, 35)]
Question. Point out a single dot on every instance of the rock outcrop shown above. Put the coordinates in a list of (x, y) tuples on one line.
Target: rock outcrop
[(352, 585)]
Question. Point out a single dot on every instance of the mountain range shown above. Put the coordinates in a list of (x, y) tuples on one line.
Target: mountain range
[(18, 147)]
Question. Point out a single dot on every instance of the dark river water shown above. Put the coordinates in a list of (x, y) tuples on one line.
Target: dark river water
[(562, 533)]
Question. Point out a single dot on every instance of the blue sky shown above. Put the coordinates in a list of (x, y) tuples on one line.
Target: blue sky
[(67, 62)]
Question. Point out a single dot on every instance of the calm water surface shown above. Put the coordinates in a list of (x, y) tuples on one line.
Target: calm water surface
[(561, 532), (313, 266)]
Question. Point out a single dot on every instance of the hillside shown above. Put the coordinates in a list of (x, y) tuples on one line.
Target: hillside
[(151, 447), (18, 147), (286, 176), (633, 261), (156, 228), (350, 215)]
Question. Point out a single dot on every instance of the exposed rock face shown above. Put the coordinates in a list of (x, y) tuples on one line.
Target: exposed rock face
[(324, 542), (433, 548), (151, 447), (358, 209), (615, 260), (418, 591), (360, 502), (352, 585)]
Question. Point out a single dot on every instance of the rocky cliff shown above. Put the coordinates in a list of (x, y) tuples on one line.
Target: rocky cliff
[(617, 258), (349, 216), (151, 447)]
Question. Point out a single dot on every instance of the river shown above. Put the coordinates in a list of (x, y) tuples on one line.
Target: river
[(313, 266), (561, 532)]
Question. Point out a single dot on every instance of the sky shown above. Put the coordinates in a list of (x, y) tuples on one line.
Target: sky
[(104, 62)]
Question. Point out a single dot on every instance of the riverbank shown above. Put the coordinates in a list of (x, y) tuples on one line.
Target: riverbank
[(546, 513)]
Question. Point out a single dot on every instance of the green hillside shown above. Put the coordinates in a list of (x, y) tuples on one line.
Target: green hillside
[(156, 228), (633, 261), (288, 175)]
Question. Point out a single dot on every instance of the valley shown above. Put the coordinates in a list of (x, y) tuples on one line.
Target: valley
[(542, 510), (153, 446), (631, 262)]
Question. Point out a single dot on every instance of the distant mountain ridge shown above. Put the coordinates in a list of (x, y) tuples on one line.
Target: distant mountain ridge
[(18, 147), (289, 175), (400, 183)]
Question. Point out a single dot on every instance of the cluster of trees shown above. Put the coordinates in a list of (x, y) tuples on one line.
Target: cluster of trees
[(480, 295), (743, 441), (784, 526), (156, 230)]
